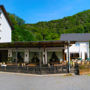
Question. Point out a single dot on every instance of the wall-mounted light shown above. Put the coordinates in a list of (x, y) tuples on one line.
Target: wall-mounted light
[(26, 55)]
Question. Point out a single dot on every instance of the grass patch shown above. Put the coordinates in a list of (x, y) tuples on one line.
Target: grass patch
[(88, 74), (84, 66), (67, 75)]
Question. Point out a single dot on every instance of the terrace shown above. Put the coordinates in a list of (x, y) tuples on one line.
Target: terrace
[(31, 56), (35, 57)]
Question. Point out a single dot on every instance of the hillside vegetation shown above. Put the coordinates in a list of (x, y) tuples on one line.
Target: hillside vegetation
[(51, 30)]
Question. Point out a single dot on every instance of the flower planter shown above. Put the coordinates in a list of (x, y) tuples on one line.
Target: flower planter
[(84, 71)]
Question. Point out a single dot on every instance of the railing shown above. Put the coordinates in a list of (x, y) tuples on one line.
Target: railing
[(35, 70)]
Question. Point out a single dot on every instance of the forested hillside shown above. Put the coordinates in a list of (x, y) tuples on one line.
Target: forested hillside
[(51, 30)]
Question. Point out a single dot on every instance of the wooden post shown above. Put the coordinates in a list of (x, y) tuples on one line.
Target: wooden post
[(16, 60), (40, 58), (45, 57), (64, 58), (16, 56)]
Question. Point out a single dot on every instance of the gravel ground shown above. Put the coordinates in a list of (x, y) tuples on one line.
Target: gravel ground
[(10, 81)]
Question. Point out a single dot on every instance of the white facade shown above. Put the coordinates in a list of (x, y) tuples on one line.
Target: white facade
[(82, 48), (5, 29), (43, 55)]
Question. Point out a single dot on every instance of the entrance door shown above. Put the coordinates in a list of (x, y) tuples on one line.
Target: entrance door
[(3, 55)]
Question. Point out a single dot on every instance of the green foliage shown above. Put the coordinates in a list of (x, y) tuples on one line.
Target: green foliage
[(51, 30), (16, 20), (21, 34)]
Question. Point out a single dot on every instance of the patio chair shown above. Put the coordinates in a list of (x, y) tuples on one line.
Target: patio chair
[(80, 59), (88, 59)]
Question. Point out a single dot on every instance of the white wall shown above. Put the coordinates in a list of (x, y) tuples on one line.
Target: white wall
[(5, 29), (9, 53), (26, 56), (81, 48)]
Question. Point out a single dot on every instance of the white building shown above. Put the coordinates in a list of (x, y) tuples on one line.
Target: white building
[(81, 48), (47, 49), (5, 26)]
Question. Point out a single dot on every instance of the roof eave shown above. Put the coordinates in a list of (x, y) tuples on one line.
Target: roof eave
[(7, 17)]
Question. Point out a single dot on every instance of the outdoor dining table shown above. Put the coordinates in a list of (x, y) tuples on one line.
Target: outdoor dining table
[(4, 65), (32, 65)]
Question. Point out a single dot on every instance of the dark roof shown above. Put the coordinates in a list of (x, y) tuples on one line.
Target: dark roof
[(38, 44), (75, 37), (6, 15)]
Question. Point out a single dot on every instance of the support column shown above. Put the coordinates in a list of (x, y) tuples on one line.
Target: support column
[(40, 62), (26, 56), (88, 50), (44, 56), (68, 56), (64, 57), (9, 53), (16, 55), (80, 52), (83, 55)]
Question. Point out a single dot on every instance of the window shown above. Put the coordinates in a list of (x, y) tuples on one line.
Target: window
[(74, 55), (77, 44)]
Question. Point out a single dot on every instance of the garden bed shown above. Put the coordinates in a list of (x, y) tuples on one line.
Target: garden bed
[(84, 69)]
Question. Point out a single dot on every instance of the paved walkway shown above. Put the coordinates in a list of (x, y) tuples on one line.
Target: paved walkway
[(10, 81)]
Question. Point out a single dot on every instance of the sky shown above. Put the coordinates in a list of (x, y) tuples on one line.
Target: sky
[(33, 11)]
